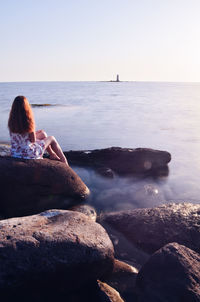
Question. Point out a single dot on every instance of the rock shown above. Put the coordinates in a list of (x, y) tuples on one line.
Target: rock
[(151, 228), (106, 172), (95, 292), (148, 195), (55, 250), (122, 160), (123, 279), (172, 274), (85, 209), (4, 150), (43, 105), (125, 250), (30, 186), (91, 293), (111, 293)]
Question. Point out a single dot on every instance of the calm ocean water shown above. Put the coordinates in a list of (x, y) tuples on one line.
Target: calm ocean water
[(90, 115)]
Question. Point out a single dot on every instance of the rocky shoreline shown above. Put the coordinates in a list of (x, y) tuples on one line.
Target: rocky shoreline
[(74, 254)]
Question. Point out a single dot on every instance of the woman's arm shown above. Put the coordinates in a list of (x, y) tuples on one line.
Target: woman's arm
[(32, 137)]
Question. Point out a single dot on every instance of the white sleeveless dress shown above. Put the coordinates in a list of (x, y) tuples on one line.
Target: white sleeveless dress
[(22, 147)]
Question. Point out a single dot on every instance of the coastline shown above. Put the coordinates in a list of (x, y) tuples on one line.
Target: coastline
[(131, 254)]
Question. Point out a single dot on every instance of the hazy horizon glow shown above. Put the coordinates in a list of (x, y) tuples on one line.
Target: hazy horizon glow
[(85, 40)]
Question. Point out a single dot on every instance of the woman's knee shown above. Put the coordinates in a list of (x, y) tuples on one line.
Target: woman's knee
[(49, 140), (43, 133), (53, 139)]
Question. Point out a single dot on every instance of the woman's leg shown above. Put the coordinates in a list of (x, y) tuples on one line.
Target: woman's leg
[(41, 135), (50, 141)]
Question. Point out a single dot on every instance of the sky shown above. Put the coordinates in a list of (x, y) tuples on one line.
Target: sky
[(94, 40)]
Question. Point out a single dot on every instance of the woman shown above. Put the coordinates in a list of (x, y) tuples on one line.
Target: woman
[(25, 141)]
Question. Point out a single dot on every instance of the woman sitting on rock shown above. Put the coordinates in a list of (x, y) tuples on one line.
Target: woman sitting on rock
[(25, 141)]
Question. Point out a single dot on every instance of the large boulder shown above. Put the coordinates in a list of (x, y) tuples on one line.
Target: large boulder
[(151, 228), (30, 186), (57, 250), (123, 160), (172, 274)]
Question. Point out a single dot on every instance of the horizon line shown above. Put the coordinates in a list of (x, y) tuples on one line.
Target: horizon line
[(107, 81)]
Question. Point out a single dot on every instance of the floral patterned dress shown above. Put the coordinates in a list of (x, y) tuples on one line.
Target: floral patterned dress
[(22, 147)]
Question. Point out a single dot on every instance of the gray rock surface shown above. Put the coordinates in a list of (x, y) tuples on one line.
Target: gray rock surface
[(56, 249), (151, 228), (172, 274), (31, 186)]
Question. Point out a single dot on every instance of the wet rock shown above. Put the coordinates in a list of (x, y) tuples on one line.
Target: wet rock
[(85, 209), (55, 250), (106, 172), (125, 250), (151, 228), (122, 160), (94, 292), (123, 279), (89, 293), (172, 274), (4, 150), (31, 186), (42, 105), (110, 292)]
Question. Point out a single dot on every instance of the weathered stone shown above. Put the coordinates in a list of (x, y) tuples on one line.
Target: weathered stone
[(90, 293), (56, 249), (125, 250), (4, 149), (106, 172), (30, 186), (110, 292), (122, 160), (123, 279), (151, 228), (172, 274), (85, 209)]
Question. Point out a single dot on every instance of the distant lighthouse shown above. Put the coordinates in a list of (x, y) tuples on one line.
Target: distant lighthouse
[(117, 80)]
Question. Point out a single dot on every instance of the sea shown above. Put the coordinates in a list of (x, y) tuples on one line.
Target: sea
[(96, 115)]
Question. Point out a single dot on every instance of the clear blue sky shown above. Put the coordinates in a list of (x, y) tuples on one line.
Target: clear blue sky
[(72, 40)]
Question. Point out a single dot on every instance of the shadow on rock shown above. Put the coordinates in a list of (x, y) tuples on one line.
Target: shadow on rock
[(151, 228), (171, 274), (54, 251), (30, 186)]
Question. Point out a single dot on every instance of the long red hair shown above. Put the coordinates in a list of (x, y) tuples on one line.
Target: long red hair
[(21, 118)]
